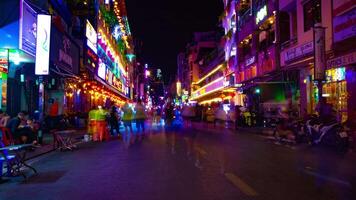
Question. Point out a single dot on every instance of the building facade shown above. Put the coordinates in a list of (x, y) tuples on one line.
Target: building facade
[(89, 55)]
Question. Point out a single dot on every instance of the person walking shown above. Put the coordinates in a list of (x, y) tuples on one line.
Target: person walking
[(127, 120), (169, 113), (114, 121), (140, 116)]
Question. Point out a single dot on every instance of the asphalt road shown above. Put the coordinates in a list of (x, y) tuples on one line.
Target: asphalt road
[(199, 162)]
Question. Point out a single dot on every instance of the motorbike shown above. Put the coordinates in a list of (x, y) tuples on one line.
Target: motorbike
[(296, 126), (331, 134)]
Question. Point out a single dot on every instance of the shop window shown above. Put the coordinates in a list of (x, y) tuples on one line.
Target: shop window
[(312, 14), (245, 49), (285, 26), (266, 38), (293, 21)]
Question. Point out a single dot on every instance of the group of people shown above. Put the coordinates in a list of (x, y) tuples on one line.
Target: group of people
[(128, 114), (22, 128)]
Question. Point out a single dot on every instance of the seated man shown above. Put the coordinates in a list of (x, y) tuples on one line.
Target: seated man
[(21, 130)]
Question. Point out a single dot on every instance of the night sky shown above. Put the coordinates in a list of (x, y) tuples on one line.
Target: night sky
[(166, 26)]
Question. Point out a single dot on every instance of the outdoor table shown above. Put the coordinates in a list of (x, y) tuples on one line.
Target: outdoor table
[(16, 160), (64, 139)]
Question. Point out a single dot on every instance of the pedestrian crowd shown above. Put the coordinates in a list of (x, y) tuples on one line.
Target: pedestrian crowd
[(103, 123)]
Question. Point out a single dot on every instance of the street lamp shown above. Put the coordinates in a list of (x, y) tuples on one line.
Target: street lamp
[(147, 73)]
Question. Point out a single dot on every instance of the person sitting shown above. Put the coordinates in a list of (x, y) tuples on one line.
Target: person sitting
[(20, 130), (326, 111), (4, 118)]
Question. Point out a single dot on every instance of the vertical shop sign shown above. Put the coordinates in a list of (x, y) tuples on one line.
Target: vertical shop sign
[(92, 37), (319, 52), (4, 63), (43, 44)]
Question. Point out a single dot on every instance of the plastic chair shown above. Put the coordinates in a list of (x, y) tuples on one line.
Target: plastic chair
[(7, 138)]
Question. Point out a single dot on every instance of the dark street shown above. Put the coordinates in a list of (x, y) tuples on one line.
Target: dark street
[(223, 165)]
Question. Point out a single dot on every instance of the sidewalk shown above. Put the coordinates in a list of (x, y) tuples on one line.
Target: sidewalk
[(47, 145)]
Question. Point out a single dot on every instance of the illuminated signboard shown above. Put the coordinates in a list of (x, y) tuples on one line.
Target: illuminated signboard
[(43, 44), (110, 77), (28, 29), (335, 74), (213, 86), (116, 33), (261, 14), (92, 37), (4, 60), (101, 70)]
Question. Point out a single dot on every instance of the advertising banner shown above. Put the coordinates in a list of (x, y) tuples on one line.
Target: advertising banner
[(28, 29), (64, 51), (345, 26), (43, 44), (92, 37), (4, 56), (341, 6), (319, 53), (101, 69)]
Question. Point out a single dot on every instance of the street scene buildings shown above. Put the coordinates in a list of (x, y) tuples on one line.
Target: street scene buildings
[(116, 99), (270, 58), (90, 62)]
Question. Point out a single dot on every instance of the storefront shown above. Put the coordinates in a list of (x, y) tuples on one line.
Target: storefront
[(3, 77), (17, 51), (297, 66), (112, 70), (64, 66), (340, 86)]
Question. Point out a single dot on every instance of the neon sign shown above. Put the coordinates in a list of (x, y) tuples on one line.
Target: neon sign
[(101, 70), (336, 74), (92, 37), (261, 14), (4, 60), (211, 87)]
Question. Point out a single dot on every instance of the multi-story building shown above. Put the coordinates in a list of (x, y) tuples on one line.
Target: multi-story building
[(288, 54), (292, 52), (182, 83), (87, 58), (203, 43), (297, 47), (340, 82), (183, 76), (258, 52)]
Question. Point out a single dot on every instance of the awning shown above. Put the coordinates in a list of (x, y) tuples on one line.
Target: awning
[(218, 96), (266, 79), (110, 87)]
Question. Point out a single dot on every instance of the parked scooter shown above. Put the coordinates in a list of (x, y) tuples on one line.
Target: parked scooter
[(297, 127), (329, 134)]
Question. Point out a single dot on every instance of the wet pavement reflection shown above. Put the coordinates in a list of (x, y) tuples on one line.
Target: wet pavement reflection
[(196, 161)]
